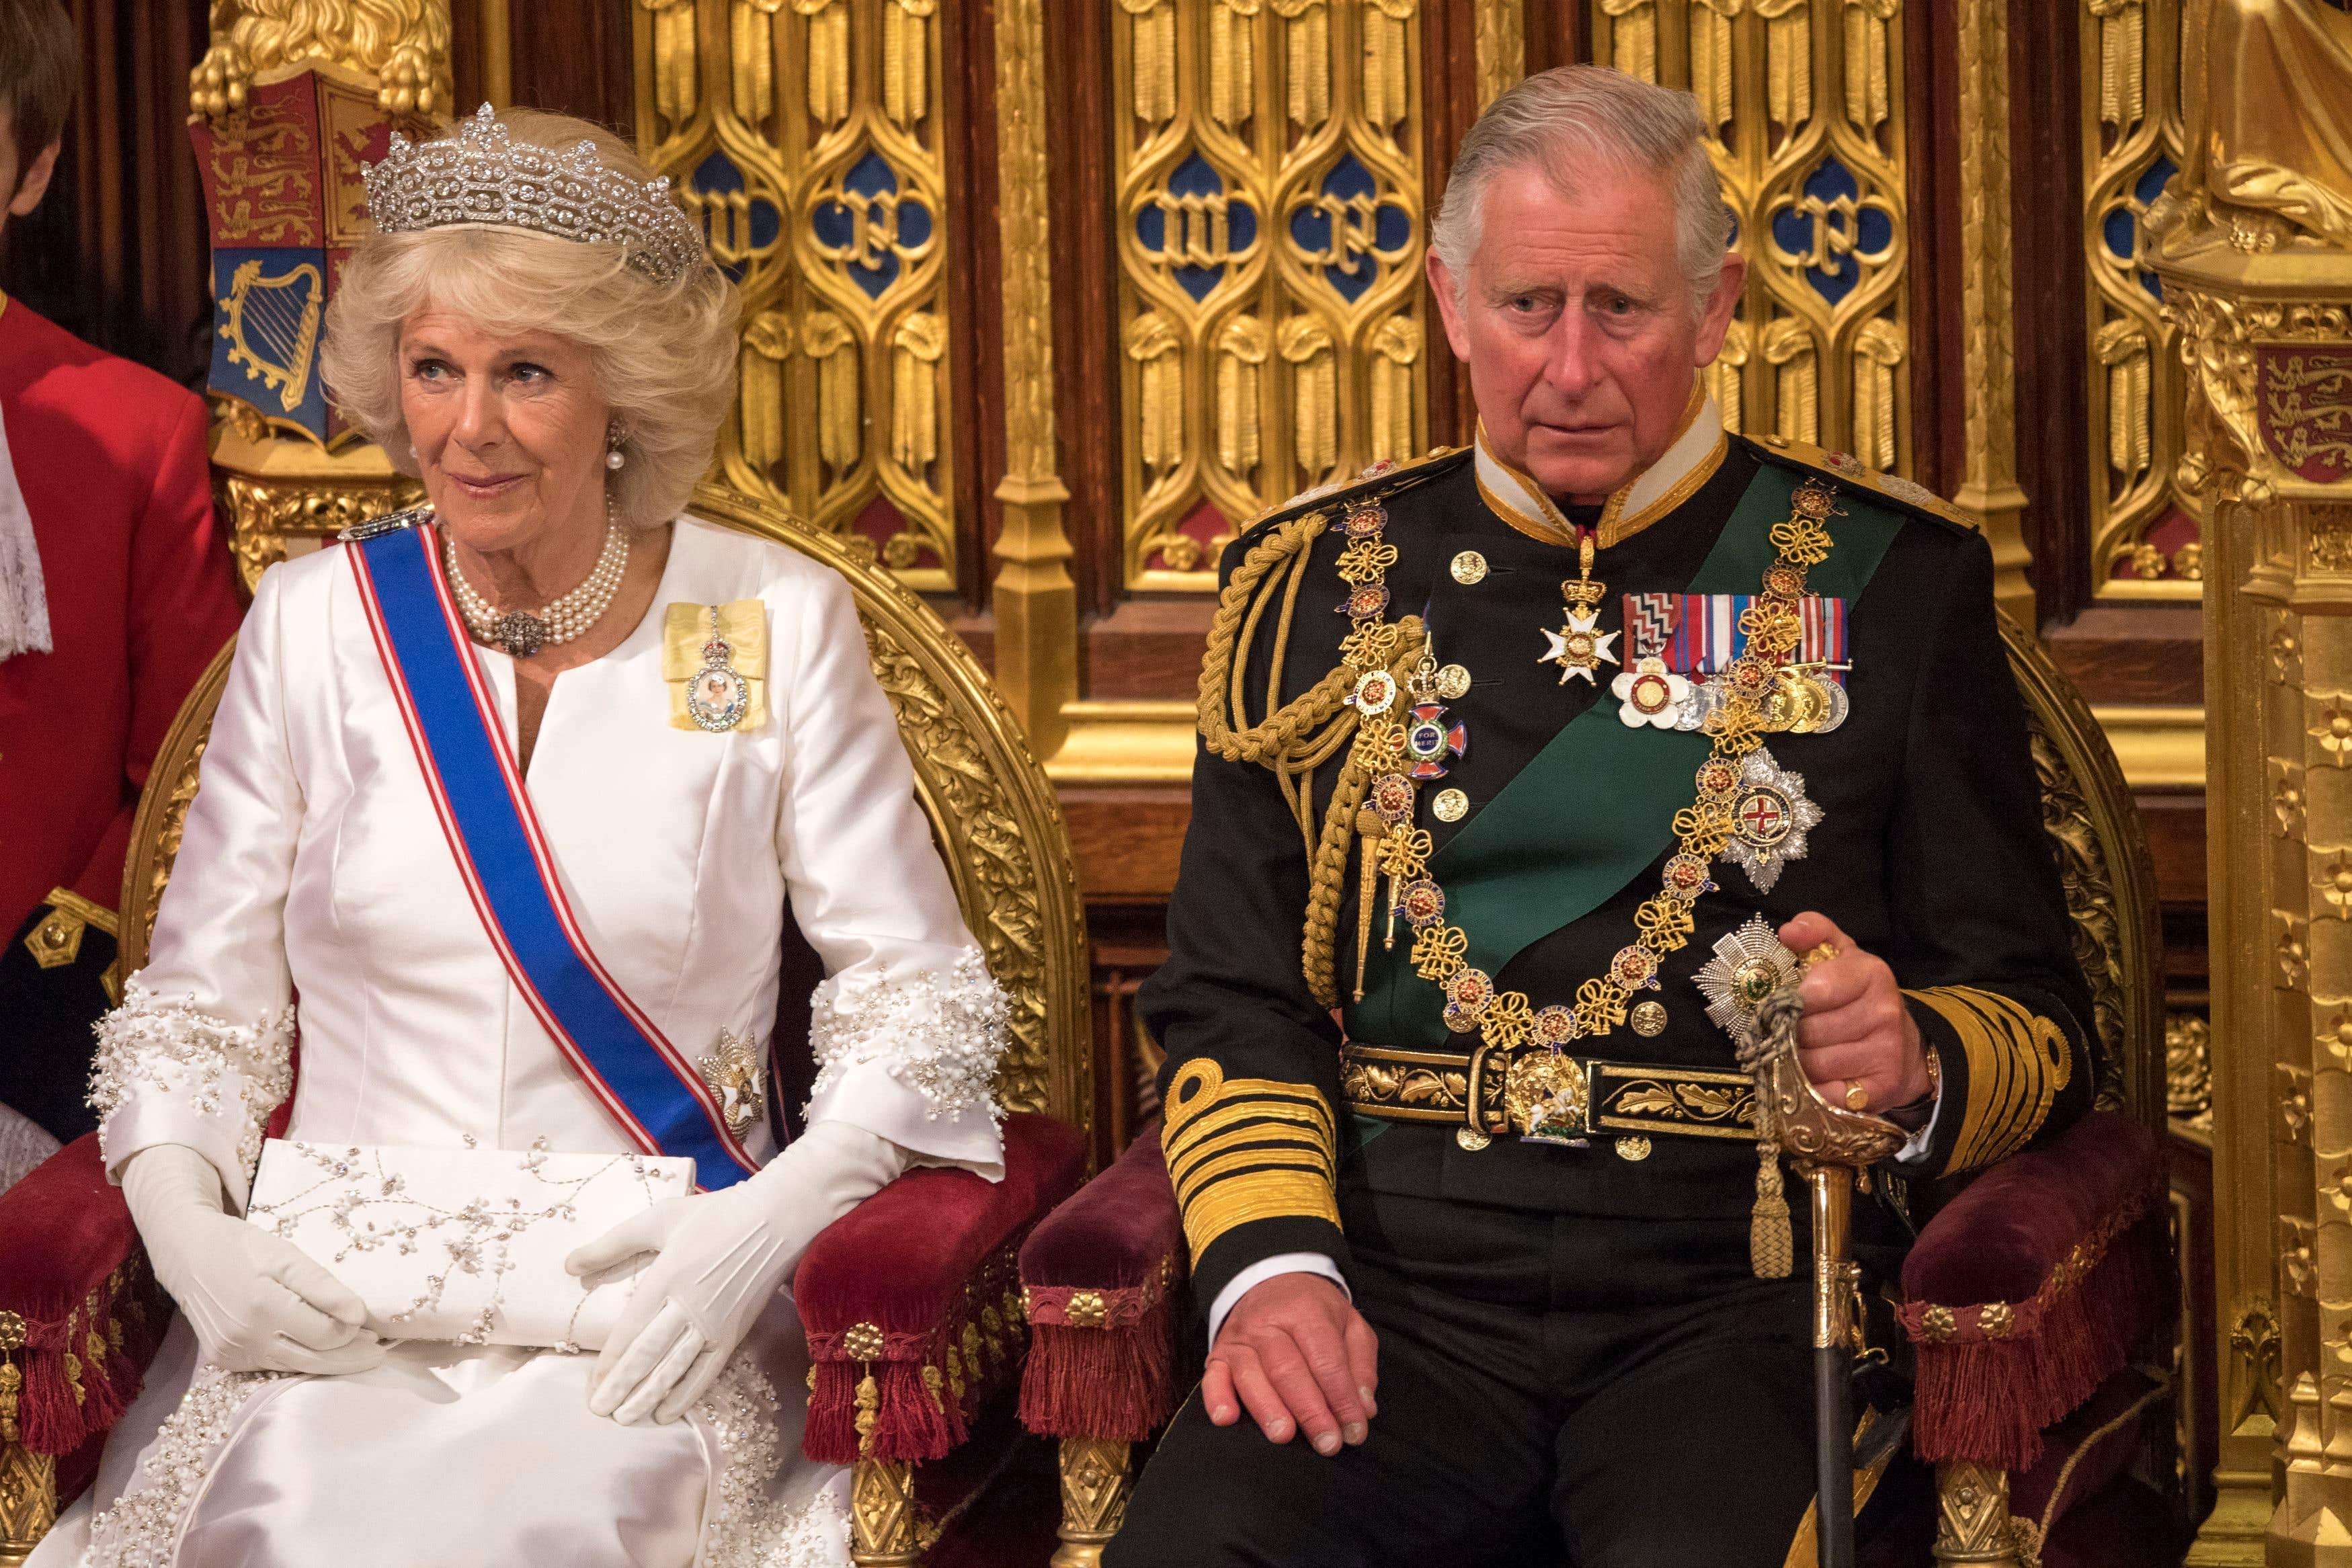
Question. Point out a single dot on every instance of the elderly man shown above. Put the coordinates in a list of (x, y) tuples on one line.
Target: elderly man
[(1559, 750)]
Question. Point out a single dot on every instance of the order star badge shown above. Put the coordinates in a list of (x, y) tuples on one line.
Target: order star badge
[(1579, 646), (1770, 817), (1748, 965)]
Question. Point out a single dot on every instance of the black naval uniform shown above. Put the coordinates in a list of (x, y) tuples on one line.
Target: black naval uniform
[(1574, 1352)]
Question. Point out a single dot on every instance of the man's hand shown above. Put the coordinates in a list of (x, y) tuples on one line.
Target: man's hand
[(1300, 1358), (1857, 1029)]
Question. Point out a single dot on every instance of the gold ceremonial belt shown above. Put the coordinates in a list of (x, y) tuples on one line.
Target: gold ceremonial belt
[(1544, 1095)]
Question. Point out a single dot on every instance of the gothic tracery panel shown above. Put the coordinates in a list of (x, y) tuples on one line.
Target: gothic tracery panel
[(1268, 224), (1804, 106), (2144, 530), (807, 136)]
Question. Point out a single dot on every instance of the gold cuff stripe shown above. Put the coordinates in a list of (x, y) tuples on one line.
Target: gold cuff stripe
[(2018, 1062), (1225, 1167), (1261, 1195), (1246, 1148), (1307, 1109), (1260, 1135)]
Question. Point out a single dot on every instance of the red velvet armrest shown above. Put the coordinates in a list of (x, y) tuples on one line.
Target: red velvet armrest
[(2033, 1286), (1101, 1277), (78, 1315), (910, 1301)]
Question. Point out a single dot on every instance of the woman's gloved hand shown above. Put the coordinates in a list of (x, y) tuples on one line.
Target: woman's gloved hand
[(257, 1303), (721, 1257)]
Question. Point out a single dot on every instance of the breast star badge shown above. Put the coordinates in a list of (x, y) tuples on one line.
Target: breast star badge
[(1648, 694), (1770, 817), (1750, 965)]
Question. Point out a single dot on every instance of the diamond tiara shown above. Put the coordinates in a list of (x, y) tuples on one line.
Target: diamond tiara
[(482, 175)]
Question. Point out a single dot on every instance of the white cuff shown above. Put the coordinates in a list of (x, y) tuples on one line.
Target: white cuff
[(1913, 1150), (914, 1060), (1265, 1268)]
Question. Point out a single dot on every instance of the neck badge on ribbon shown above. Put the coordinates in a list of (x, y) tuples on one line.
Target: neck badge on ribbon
[(647, 1084)]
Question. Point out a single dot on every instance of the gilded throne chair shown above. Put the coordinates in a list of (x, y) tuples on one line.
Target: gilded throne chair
[(2036, 1311), (911, 1303)]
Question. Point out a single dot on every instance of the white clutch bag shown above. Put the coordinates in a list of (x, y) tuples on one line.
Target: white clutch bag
[(465, 1244)]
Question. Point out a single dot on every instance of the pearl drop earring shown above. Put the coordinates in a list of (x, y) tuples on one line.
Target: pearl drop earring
[(612, 458)]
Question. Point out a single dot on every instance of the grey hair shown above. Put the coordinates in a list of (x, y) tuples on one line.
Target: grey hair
[(1569, 119), (665, 353)]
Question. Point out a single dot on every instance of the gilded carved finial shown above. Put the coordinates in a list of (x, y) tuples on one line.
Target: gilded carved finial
[(403, 44)]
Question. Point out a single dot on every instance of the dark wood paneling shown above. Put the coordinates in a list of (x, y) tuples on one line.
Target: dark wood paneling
[(573, 56), (1085, 294), (2046, 240), (974, 312), (117, 254), (2134, 653), (1449, 44), (1559, 33), (1148, 648), (1127, 839), (1931, 43)]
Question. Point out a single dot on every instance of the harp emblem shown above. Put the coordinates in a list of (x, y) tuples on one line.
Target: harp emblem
[(272, 327)]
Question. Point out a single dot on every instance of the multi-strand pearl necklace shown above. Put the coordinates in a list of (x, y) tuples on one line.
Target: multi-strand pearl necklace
[(558, 621)]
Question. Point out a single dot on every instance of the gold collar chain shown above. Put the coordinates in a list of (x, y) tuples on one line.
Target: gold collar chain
[(1505, 1020)]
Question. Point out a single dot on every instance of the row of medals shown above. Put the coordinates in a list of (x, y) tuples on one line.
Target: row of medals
[(1804, 700)]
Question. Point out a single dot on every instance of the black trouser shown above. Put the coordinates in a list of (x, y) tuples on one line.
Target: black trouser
[(1623, 1386)]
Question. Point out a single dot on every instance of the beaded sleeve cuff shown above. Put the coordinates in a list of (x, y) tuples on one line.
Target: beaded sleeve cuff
[(940, 1030), (151, 1046)]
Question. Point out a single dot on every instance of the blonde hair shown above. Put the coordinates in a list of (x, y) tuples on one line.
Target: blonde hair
[(1575, 117), (665, 352)]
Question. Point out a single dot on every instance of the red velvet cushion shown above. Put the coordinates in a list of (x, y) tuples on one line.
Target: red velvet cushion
[(2015, 1223), (63, 1230), (902, 1295), (1120, 1232), (2048, 1274), (1100, 1279), (71, 1267)]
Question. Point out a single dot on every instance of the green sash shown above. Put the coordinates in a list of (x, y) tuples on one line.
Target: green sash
[(1596, 806)]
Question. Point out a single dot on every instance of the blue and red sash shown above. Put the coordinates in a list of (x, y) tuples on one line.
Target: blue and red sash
[(650, 1088)]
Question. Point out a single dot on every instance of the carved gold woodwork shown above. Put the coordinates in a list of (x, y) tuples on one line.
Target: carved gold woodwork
[(1096, 1483), (402, 45), (1972, 1519), (1033, 598), (808, 140), (274, 492), (28, 1482), (2143, 527), (2189, 1072), (1805, 104), (886, 1524), (2259, 291), (1268, 219), (1502, 45)]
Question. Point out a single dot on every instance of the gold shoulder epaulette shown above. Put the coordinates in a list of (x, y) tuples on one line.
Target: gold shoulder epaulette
[(1380, 479), (1847, 469)]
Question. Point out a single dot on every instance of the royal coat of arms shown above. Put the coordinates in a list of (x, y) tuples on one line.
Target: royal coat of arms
[(286, 203)]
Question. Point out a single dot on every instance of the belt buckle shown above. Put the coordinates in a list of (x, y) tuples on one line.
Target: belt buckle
[(1548, 1094)]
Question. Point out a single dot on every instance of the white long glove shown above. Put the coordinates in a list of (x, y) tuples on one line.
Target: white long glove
[(722, 1258), (256, 1302)]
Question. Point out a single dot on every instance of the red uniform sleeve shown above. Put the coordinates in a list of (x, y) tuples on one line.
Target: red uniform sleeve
[(184, 606)]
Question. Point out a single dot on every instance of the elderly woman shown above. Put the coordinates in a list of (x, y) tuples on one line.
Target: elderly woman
[(503, 810)]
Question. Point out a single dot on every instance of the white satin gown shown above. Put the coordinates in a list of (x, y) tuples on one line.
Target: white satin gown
[(315, 894)]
